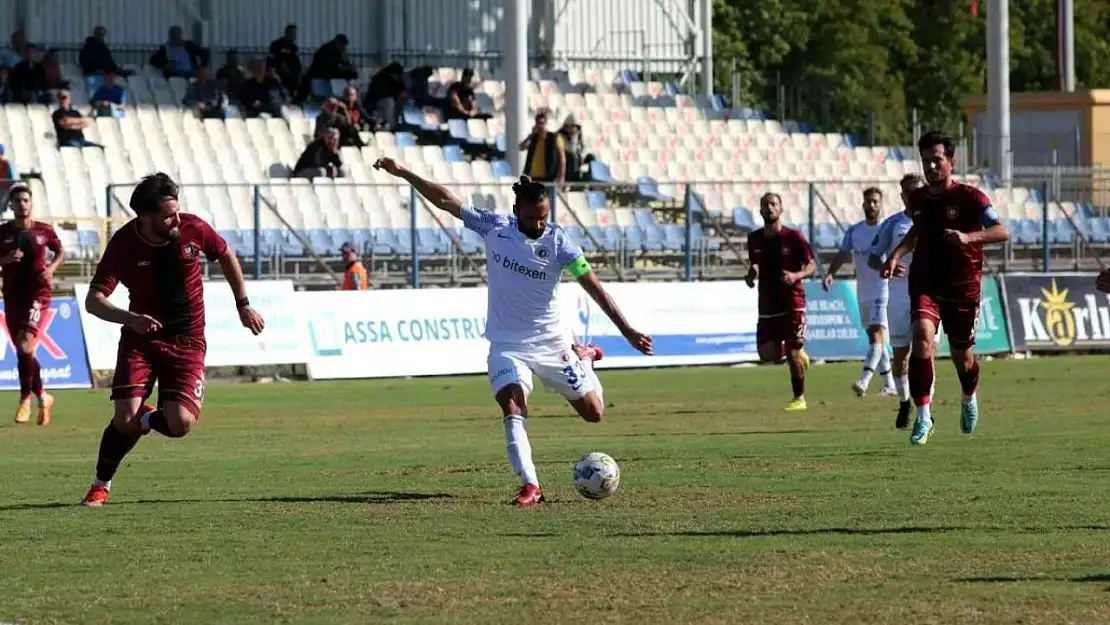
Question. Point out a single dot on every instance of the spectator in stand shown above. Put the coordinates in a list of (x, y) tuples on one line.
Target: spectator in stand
[(419, 92), (16, 50), (95, 56), (385, 95), (356, 115), (5, 90), (329, 63), (461, 103), (333, 114), (320, 158), (52, 71), (261, 93), (179, 57), (205, 97), (577, 160), (232, 74), (9, 176), (546, 160), (28, 79), (69, 125), (110, 99), (286, 56), (355, 277)]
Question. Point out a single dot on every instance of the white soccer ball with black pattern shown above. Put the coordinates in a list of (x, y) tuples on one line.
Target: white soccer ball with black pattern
[(597, 475)]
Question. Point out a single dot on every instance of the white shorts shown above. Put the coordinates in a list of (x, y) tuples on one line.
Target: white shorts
[(557, 366), (901, 325), (873, 312), (901, 322)]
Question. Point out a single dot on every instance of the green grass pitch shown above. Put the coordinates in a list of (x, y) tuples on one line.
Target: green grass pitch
[(386, 502)]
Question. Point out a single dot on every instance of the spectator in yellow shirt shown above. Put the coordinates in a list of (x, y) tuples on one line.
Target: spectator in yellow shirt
[(546, 159)]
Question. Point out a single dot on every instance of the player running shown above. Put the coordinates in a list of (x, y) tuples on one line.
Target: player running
[(781, 258), (871, 292), (952, 222), (157, 256), (525, 256), (890, 235), (28, 287)]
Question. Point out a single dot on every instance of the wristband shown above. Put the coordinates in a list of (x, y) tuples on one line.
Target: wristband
[(242, 302)]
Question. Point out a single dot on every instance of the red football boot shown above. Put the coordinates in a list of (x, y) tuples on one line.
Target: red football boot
[(96, 497), (529, 495)]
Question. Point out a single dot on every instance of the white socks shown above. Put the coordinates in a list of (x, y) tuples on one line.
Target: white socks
[(884, 369), (902, 385), (107, 485), (875, 353), (520, 450)]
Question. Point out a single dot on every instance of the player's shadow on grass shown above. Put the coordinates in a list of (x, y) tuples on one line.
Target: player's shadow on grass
[(856, 531), (369, 497), (1093, 578), (737, 433)]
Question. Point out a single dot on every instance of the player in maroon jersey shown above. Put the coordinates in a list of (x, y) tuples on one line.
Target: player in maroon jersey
[(28, 283), (157, 256), (952, 222), (781, 258)]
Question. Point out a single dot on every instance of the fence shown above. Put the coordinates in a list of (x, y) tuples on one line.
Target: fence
[(689, 230), (441, 331)]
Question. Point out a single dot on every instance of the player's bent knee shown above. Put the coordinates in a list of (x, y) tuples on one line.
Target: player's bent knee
[(590, 407), (125, 415), (25, 343), (179, 418), (770, 352), (513, 400)]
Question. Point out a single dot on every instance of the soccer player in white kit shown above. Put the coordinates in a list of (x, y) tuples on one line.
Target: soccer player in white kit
[(871, 292), (525, 256), (890, 235)]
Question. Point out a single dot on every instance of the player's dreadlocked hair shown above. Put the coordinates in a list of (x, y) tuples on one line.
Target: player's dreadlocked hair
[(528, 190), (150, 192)]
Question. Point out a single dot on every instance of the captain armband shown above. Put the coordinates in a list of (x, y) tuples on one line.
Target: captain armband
[(579, 267)]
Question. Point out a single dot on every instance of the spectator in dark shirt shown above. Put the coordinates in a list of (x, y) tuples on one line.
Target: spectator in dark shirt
[(460, 99), (321, 158), (356, 115), (385, 96), (96, 58), (69, 125), (232, 74), (286, 57), (52, 71), (334, 114), (329, 63), (5, 90), (109, 98), (28, 79), (205, 96), (179, 57), (14, 54), (261, 93)]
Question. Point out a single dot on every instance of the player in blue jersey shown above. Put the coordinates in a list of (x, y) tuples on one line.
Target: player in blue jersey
[(871, 292)]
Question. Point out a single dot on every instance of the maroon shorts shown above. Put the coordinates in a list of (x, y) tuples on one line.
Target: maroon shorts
[(176, 364), (958, 317), (28, 315), (787, 329)]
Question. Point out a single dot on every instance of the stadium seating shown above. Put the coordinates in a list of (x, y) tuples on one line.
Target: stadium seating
[(650, 141)]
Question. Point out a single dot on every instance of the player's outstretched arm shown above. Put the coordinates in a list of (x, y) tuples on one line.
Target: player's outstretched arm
[(233, 273), (437, 194), (592, 286)]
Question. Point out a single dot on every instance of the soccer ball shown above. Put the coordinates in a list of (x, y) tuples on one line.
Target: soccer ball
[(596, 475)]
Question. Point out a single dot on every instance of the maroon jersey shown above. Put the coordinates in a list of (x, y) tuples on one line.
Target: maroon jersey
[(163, 279), (23, 279), (941, 268), (775, 253)]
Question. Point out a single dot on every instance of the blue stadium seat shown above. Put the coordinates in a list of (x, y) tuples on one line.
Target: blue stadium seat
[(472, 242), (499, 143), (742, 219), (578, 237), (88, 239), (828, 236), (607, 239), (674, 237), (502, 169), (404, 139), (322, 88), (339, 236), (413, 116), (458, 130), (596, 200), (653, 238), (1026, 231), (643, 217), (600, 171), (1100, 230), (362, 239), (633, 239), (428, 241), (290, 246), (698, 235), (453, 154), (320, 240), (1061, 232)]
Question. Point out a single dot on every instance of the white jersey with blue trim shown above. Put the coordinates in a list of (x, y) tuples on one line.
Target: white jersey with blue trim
[(870, 285), (889, 237), (522, 304)]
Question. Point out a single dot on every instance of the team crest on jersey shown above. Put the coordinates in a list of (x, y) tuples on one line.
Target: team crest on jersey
[(952, 212), (785, 251), (542, 252), (190, 251), (565, 357), (39, 239)]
